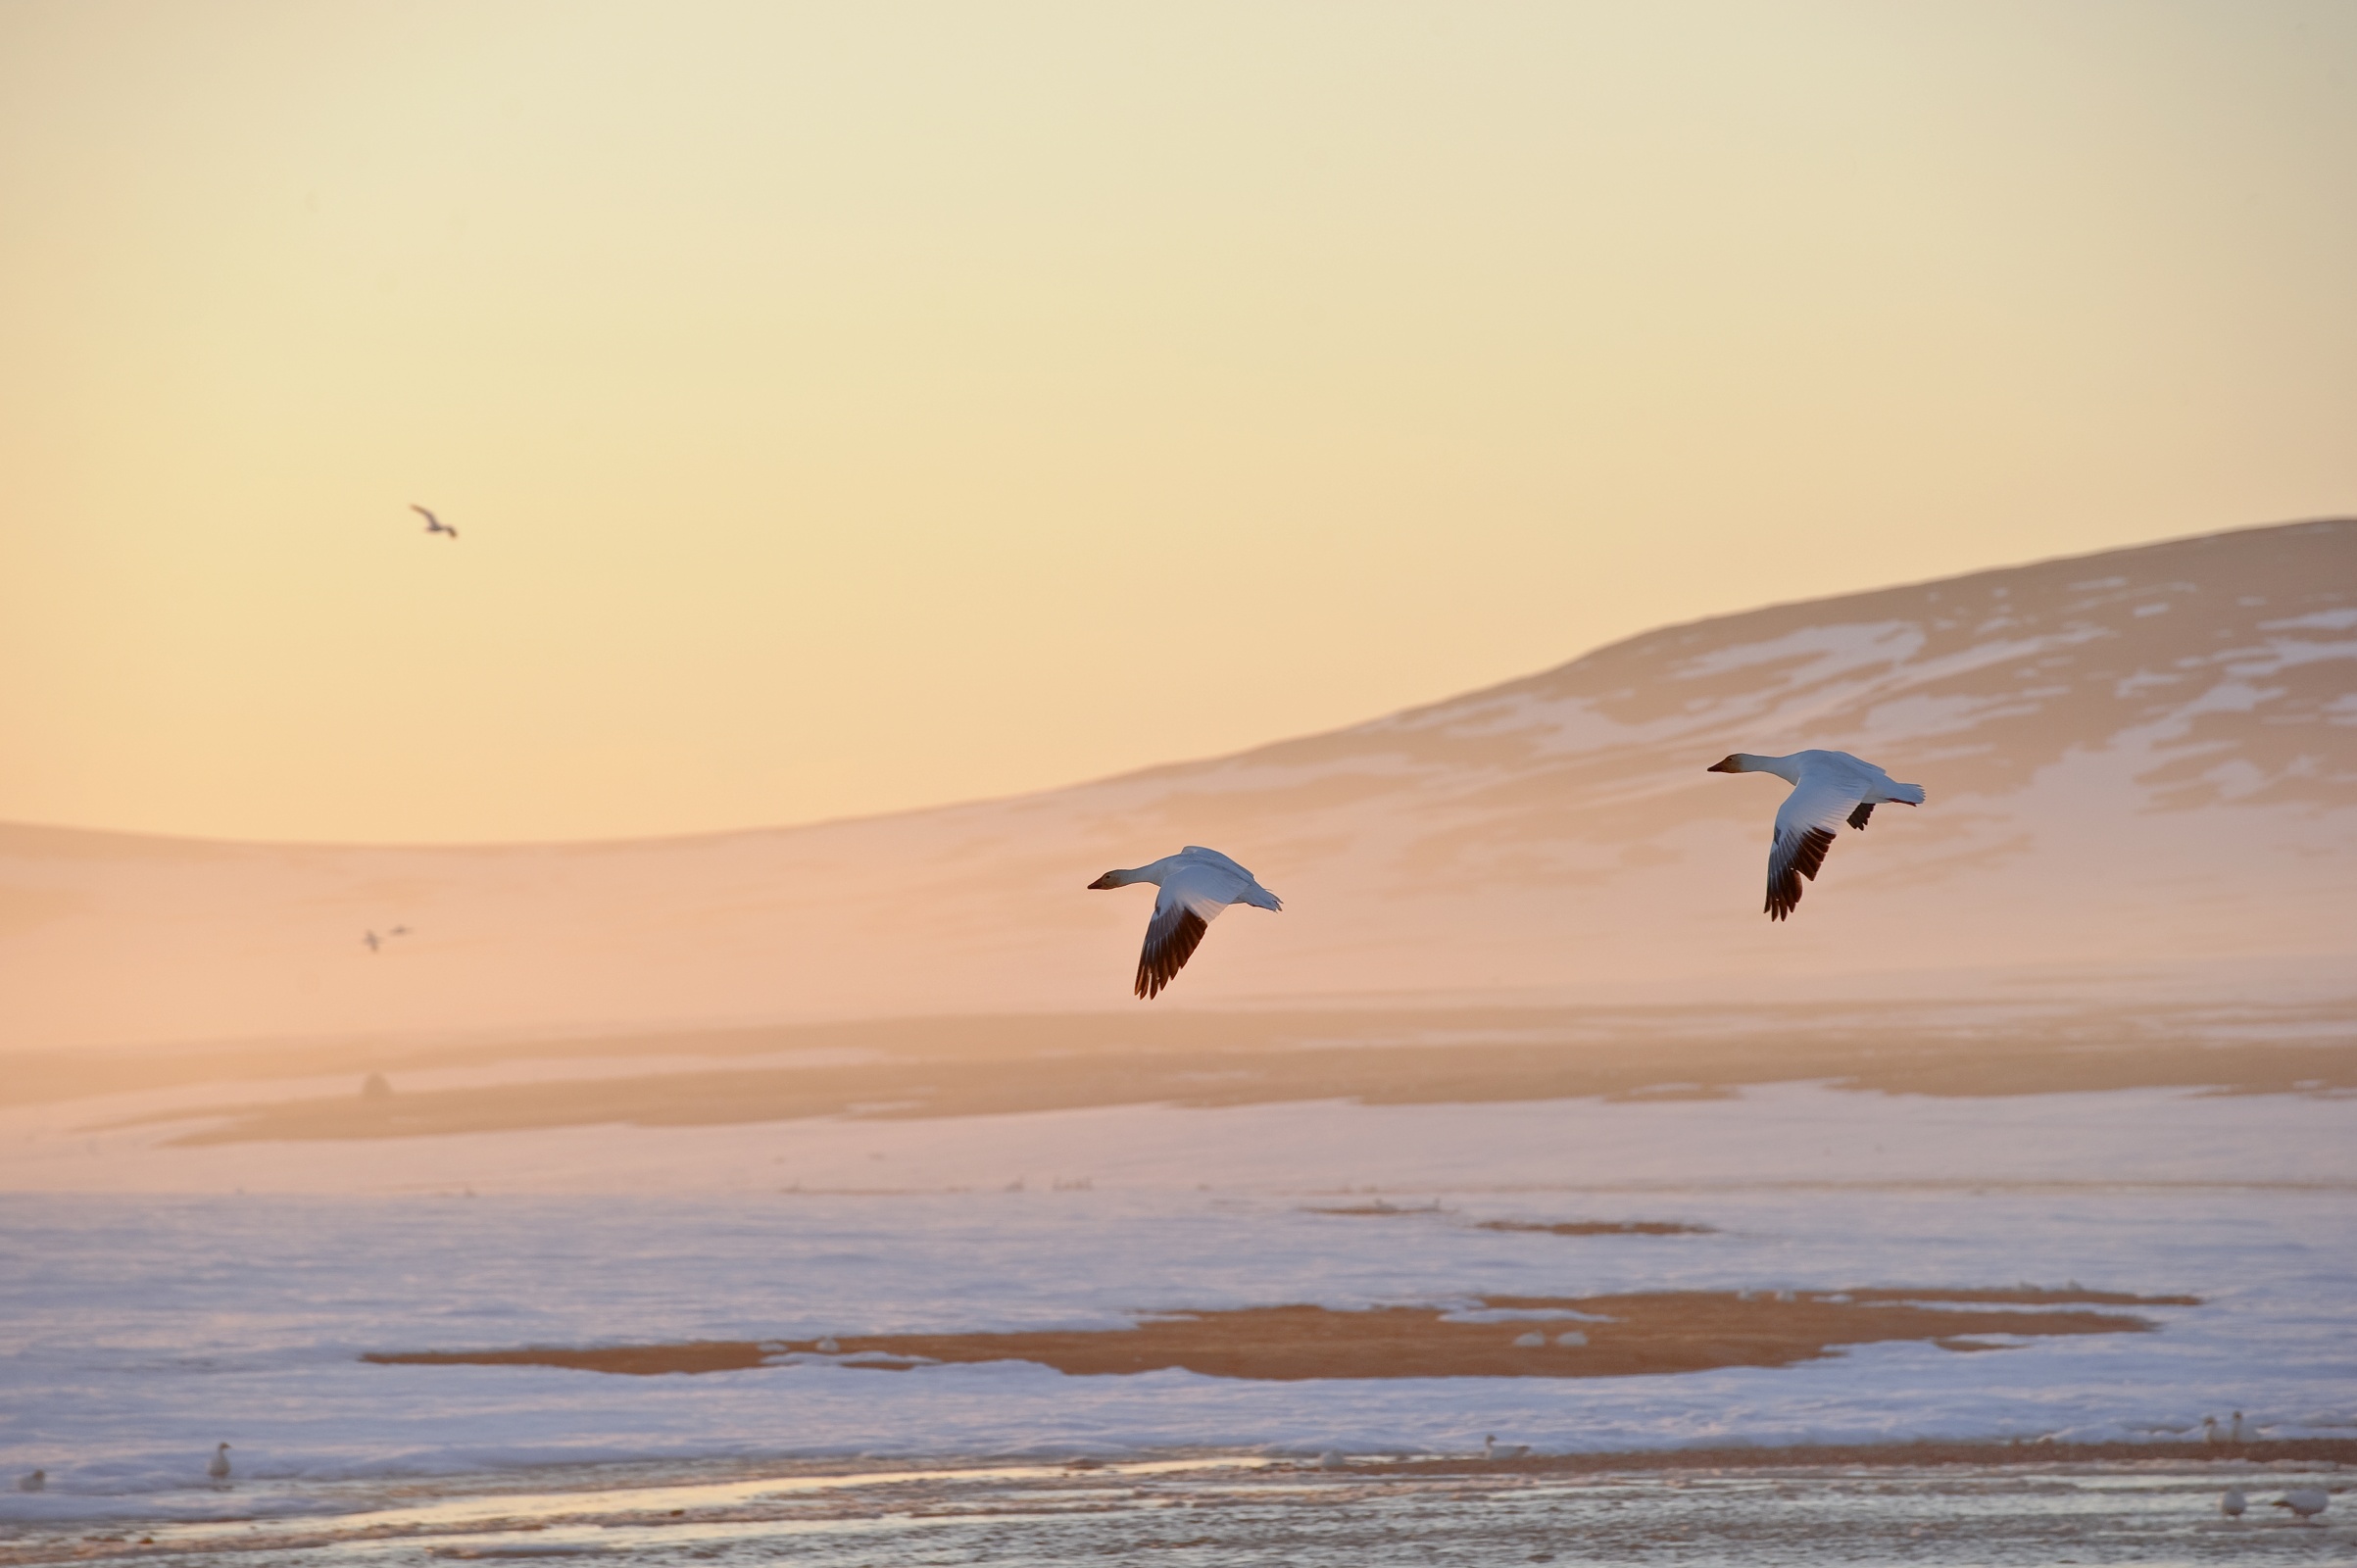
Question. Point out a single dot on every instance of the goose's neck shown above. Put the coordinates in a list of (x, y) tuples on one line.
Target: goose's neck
[(1787, 768)]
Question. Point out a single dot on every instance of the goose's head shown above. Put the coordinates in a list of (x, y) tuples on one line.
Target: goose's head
[(1110, 879), (1730, 764)]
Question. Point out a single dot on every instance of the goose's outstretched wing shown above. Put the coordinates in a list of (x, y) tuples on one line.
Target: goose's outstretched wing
[(1804, 831), (1196, 851), (1211, 875), (1172, 935), (1195, 889)]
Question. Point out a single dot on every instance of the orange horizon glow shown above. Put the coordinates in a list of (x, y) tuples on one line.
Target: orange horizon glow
[(846, 409)]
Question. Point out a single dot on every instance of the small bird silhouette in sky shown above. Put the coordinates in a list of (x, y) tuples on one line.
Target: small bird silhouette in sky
[(433, 524), (372, 940), (399, 931)]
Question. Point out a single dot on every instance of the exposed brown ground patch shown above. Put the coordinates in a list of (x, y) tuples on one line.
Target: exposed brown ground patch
[(1662, 1332), (990, 1066)]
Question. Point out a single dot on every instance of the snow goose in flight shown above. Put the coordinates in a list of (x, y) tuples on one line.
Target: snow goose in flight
[(1196, 884), (1828, 788), (433, 524)]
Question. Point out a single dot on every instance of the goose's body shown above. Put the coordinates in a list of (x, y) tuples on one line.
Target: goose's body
[(2234, 1502), (1196, 884), (1492, 1448), (218, 1469), (1829, 788)]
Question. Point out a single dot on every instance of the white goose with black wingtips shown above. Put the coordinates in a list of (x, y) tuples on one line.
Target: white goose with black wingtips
[(1196, 884), (1829, 788)]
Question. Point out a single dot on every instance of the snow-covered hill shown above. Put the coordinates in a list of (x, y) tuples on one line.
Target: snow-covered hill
[(2142, 759)]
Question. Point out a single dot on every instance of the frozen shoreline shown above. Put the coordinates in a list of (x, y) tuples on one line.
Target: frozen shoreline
[(2137, 1505)]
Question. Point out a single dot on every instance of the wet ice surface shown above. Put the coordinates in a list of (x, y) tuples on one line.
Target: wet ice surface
[(1227, 1511), (157, 1327), (159, 1323)]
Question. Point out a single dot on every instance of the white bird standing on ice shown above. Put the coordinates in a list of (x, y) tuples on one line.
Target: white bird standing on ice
[(2305, 1502), (1492, 1448), (1828, 789), (2234, 1502), (218, 1469), (1196, 884)]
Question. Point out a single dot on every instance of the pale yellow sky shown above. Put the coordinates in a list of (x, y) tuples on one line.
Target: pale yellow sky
[(853, 406)]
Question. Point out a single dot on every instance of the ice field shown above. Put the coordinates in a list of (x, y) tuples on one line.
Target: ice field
[(145, 1326)]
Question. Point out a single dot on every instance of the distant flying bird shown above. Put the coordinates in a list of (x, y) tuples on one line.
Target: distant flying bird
[(2305, 1502), (1196, 884), (218, 1469), (370, 938), (1828, 788), (433, 524), (2234, 1502), (399, 931)]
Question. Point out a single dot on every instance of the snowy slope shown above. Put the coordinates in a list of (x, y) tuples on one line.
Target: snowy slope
[(2146, 757)]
